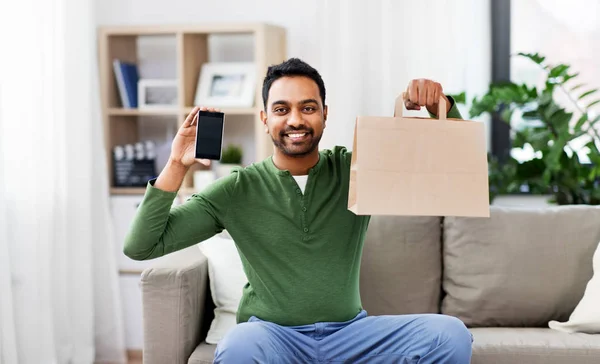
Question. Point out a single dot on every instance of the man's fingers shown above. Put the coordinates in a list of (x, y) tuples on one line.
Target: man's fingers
[(411, 106), (413, 93), (194, 120), (191, 116), (422, 93), (431, 96)]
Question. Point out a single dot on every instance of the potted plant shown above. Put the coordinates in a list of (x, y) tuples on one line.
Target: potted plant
[(231, 158), (551, 131)]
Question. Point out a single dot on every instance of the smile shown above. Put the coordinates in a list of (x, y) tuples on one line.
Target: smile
[(297, 136)]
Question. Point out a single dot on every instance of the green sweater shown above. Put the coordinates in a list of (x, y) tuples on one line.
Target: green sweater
[(301, 251)]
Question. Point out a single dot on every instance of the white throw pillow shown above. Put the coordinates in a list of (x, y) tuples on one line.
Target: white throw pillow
[(586, 316), (227, 279)]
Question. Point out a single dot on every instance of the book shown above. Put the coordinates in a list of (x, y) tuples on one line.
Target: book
[(127, 77)]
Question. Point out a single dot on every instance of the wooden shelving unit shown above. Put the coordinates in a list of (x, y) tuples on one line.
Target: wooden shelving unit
[(122, 126)]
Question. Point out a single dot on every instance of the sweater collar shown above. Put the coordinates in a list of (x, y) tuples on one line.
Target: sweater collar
[(284, 172)]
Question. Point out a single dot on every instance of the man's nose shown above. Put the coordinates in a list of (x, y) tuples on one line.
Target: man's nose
[(295, 119)]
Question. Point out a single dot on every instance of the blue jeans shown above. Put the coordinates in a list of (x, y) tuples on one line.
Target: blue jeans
[(423, 338)]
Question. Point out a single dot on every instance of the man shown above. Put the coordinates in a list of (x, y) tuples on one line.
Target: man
[(300, 246)]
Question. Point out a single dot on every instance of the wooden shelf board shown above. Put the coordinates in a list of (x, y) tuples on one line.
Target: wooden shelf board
[(127, 190), (142, 112), (231, 110), (186, 29)]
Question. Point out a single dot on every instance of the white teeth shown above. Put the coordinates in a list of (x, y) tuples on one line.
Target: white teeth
[(296, 135)]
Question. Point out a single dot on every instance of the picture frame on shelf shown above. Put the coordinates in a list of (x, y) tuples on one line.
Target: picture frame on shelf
[(226, 84), (157, 93)]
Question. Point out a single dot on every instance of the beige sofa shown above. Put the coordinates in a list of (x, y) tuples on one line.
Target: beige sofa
[(505, 277)]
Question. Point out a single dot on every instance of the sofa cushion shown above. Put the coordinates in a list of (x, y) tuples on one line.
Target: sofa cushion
[(401, 265), (520, 267), (227, 279), (204, 354), (502, 345), (586, 316)]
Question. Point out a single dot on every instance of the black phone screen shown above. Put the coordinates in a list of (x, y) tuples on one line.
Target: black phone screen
[(209, 135)]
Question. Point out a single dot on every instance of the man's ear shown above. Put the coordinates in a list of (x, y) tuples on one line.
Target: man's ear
[(325, 108), (263, 118)]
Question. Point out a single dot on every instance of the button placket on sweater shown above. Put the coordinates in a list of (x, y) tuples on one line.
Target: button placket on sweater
[(303, 209)]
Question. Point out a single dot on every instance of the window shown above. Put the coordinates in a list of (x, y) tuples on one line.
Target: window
[(564, 32)]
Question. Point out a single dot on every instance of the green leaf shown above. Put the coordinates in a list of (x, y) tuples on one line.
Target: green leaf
[(507, 114), (545, 98), (594, 121), (568, 77), (547, 176), (521, 138), (549, 110), (587, 93), (593, 103), (578, 86), (593, 147), (561, 119), (531, 115), (531, 93), (540, 139), (580, 122), (535, 57), (552, 158), (530, 169), (558, 71), (460, 98)]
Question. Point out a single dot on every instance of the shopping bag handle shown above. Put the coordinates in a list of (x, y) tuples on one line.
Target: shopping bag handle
[(398, 110)]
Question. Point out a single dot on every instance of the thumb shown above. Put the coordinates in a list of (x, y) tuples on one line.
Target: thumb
[(409, 104)]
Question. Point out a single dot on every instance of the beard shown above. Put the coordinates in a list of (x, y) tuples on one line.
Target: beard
[(300, 148)]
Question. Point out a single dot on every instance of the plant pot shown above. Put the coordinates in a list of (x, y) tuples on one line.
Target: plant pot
[(223, 170)]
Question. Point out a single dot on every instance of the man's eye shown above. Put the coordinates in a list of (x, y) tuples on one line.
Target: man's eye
[(309, 109), (280, 110)]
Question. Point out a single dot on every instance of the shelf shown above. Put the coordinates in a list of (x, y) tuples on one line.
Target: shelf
[(231, 110), (127, 190), (175, 111), (143, 112), (214, 28), (127, 126)]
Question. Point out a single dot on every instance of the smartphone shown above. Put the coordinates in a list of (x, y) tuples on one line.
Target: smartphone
[(209, 135)]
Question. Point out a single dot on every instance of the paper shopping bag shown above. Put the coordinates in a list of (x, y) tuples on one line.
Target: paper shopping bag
[(419, 166)]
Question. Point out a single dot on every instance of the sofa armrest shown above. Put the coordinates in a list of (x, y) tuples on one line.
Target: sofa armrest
[(173, 298)]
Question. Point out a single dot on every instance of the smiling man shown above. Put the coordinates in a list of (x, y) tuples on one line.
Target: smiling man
[(300, 246)]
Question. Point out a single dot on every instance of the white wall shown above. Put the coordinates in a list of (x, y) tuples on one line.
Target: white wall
[(346, 41), (297, 16)]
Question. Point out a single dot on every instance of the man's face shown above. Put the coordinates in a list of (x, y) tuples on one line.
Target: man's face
[(295, 115)]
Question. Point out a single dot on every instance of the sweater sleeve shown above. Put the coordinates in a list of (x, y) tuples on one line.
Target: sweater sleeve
[(159, 229), (453, 113)]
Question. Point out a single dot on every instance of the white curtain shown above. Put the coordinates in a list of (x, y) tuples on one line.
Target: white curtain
[(59, 299), (371, 49)]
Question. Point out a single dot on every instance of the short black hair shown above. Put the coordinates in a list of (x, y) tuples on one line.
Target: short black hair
[(291, 67)]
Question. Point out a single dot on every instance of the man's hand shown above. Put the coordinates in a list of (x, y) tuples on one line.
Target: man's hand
[(183, 152), (423, 92), (183, 147)]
